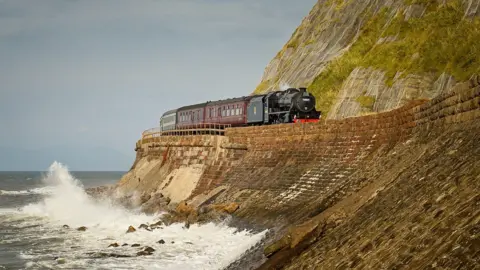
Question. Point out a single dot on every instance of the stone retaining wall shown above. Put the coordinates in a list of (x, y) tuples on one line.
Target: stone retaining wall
[(283, 168)]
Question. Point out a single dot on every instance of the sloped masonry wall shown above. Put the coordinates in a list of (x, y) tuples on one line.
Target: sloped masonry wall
[(288, 167), (283, 173), (295, 171)]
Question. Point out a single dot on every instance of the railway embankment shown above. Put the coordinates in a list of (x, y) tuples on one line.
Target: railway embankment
[(388, 190)]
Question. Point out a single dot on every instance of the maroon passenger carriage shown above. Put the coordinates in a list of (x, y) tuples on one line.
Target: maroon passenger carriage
[(229, 111), (225, 112)]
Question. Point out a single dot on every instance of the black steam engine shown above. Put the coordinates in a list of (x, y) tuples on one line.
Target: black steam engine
[(291, 105)]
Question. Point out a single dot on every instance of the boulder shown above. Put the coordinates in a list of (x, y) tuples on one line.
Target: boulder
[(143, 253), (158, 223), (212, 216), (124, 245), (276, 246), (295, 235), (135, 245), (229, 208), (155, 204), (184, 209), (149, 249), (299, 233), (113, 245), (65, 226), (144, 226), (144, 198), (104, 255), (82, 229), (161, 241), (131, 229)]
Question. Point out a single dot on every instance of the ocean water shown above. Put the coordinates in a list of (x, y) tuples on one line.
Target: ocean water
[(34, 207)]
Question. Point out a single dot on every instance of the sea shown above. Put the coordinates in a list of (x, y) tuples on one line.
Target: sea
[(41, 211)]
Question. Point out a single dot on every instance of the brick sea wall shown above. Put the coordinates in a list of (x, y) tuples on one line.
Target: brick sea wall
[(281, 168), (288, 166)]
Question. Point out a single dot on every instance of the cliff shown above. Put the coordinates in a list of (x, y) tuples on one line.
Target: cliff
[(399, 188), (361, 57)]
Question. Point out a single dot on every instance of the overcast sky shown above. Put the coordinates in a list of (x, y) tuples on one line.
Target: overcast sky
[(96, 73)]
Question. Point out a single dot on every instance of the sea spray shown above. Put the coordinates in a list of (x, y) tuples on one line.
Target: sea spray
[(209, 246)]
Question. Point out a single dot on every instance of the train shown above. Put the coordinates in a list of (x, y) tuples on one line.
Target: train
[(294, 105)]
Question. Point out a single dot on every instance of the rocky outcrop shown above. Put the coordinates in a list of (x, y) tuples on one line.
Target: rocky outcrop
[(361, 57), (365, 92)]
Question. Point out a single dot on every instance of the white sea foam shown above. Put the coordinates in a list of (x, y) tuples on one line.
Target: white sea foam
[(208, 246), (41, 190)]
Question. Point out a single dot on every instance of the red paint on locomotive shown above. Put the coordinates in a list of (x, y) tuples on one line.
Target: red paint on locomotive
[(307, 120)]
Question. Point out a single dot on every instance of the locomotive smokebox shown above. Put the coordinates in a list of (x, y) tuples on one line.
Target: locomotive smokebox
[(303, 89)]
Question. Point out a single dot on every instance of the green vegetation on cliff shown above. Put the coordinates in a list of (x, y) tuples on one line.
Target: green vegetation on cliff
[(366, 102), (441, 40)]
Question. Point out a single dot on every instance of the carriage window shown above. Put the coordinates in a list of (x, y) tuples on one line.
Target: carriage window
[(237, 111)]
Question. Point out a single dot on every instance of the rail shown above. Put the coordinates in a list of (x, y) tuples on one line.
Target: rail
[(195, 129)]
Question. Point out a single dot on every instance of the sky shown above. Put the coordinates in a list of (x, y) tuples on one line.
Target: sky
[(84, 78)]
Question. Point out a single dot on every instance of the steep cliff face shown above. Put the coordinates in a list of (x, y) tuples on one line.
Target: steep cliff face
[(361, 57)]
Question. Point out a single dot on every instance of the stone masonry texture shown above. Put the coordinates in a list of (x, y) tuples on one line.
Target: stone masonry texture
[(423, 160)]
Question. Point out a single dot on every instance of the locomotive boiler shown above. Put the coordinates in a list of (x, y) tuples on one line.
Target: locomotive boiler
[(289, 106)]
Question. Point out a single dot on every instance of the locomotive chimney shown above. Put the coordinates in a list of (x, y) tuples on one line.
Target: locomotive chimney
[(303, 90)]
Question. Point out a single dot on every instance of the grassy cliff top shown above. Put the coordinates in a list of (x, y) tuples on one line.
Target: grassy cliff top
[(400, 38)]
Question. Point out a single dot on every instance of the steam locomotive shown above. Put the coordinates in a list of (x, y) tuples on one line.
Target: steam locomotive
[(289, 106)]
